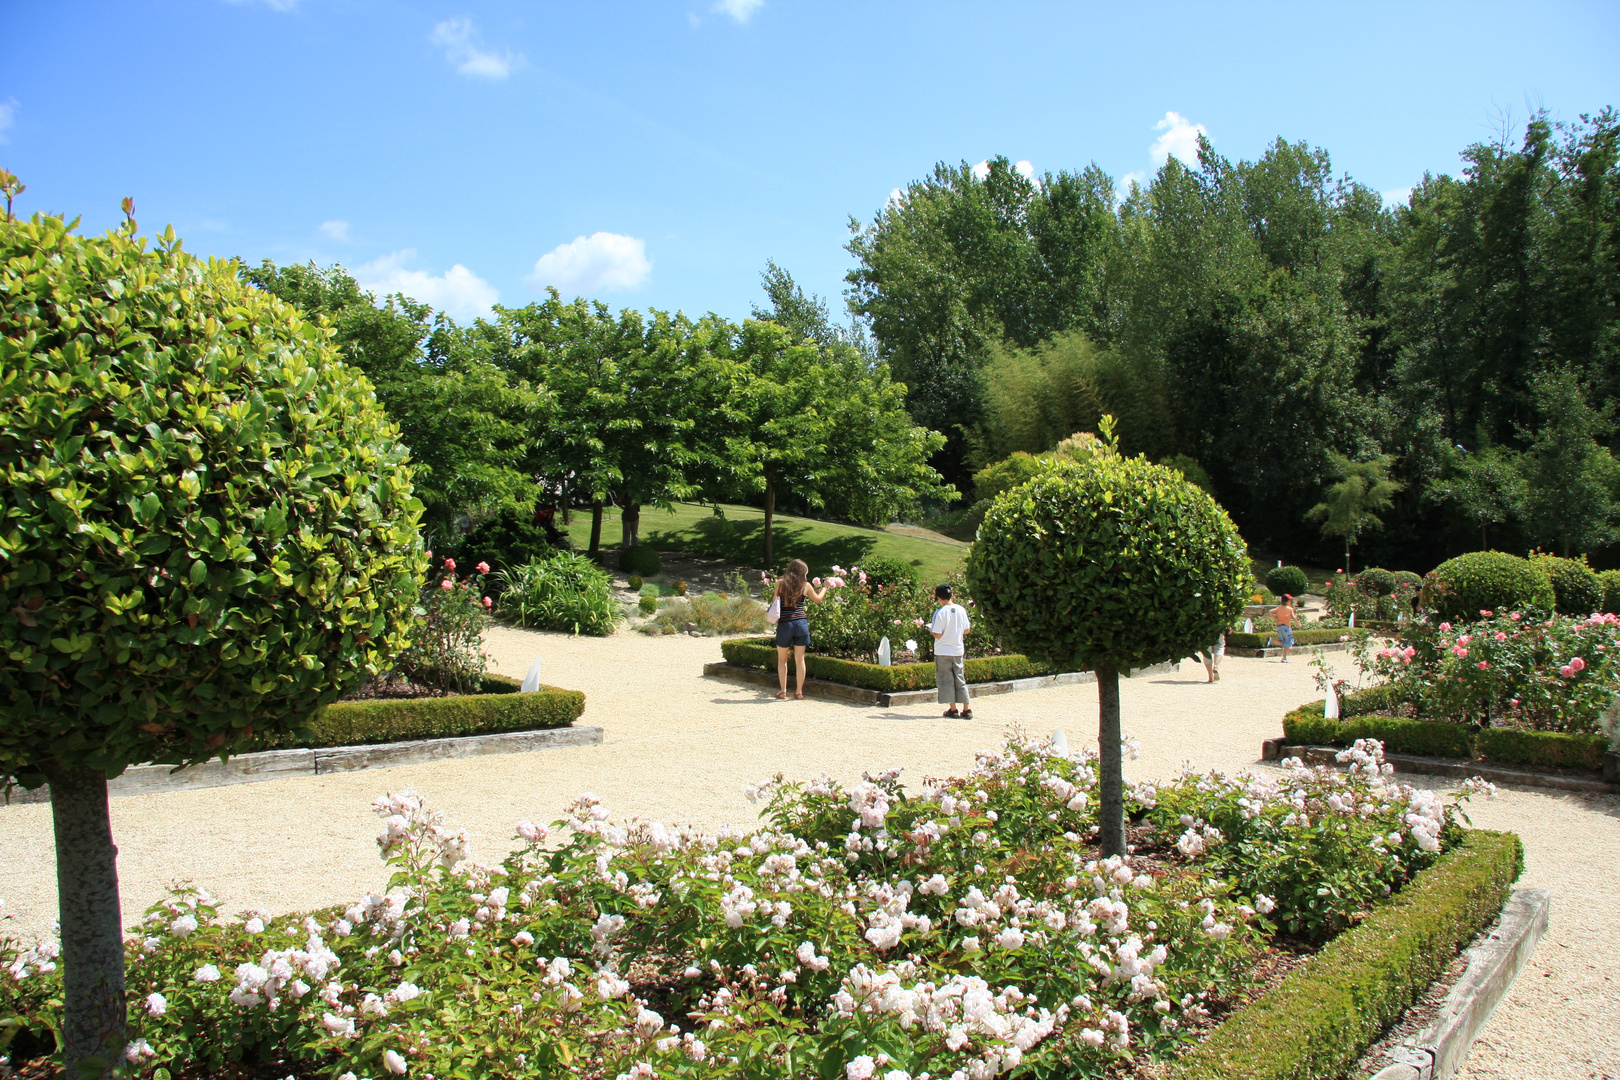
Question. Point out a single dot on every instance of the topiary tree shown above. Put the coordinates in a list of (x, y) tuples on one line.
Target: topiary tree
[(1610, 580), (208, 532), (1287, 579), (1576, 588), (1459, 589), (1108, 563), (1376, 581)]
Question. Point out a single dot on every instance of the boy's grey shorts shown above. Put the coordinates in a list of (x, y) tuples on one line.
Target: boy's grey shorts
[(951, 675)]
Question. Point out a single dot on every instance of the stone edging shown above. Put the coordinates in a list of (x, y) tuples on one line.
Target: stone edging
[(836, 691), (1276, 749), (277, 764), (1436, 1052)]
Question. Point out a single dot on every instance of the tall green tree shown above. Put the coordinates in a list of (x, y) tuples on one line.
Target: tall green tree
[(1573, 481), (1484, 488), (1351, 505)]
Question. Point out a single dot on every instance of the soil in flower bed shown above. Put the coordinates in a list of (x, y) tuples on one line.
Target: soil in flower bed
[(395, 690)]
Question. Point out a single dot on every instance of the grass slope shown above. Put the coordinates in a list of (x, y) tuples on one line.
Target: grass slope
[(739, 537)]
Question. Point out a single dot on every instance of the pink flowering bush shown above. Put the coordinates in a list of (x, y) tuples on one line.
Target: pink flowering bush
[(446, 649), (859, 612), (1544, 674), (963, 930)]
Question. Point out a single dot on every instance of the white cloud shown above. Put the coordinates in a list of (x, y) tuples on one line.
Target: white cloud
[(981, 170), (896, 197), (741, 10), (599, 262), (1124, 190), (463, 49), (335, 230), (8, 116), (1024, 169), (1397, 197), (458, 292), (1180, 138)]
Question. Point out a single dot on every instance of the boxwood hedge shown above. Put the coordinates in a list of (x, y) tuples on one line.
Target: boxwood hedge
[(1459, 588), (1236, 639), (1321, 1018), (761, 653), (499, 708)]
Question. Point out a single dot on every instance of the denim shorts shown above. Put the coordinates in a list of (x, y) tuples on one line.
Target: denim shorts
[(790, 632), (1285, 636)]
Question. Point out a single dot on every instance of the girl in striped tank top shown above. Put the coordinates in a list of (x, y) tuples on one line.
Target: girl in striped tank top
[(793, 628)]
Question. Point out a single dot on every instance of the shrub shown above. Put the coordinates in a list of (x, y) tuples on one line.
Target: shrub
[(1576, 589), (643, 559), (1287, 579), (447, 639), (510, 538), (1610, 580), (1307, 726), (715, 614), (1554, 748), (761, 653), (209, 532), (1321, 1018), (1459, 589), (564, 591), (1104, 564), (1408, 577), (648, 605), (499, 708), (635, 582), (1004, 475), (881, 571), (680, 588), (1377, 581)]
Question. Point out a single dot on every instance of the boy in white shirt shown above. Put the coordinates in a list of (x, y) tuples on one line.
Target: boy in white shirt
[(950, 623)]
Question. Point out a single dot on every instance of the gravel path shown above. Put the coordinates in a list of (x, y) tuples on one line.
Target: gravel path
[(680, 747)]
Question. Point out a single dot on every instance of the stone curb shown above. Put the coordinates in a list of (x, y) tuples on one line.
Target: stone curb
[(1276, 650), (836, 691), (1276, 749), (276, 764), (1436, 1052)]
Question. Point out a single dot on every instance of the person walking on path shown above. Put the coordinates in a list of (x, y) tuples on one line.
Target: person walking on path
[(1284, 614), (1212, 657), (793, 626), (950, 672)]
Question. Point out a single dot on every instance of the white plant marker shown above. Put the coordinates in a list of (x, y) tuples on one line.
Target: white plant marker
[(884, 654), (1352, 620), (1248, 626), (531, 681), (1331, 708), (1060, 743)]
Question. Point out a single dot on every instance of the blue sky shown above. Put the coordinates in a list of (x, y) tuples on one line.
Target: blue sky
[(656, 154)]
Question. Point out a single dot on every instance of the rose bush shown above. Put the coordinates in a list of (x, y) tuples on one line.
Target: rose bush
[(447, 635), (961, 930)]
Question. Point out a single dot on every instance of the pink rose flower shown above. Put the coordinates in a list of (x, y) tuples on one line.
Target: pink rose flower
[(1578, 664), (482, 568), (449, 564), (1445, 626), (488, 602), (1483, 665), (447, 584)]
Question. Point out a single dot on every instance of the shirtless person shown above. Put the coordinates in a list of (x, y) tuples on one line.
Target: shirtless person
[(1284, 614)]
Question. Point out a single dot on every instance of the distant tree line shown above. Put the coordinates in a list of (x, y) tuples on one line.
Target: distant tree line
[(1278, 325)]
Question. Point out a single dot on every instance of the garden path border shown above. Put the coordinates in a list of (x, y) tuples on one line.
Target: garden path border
[(1271, 651), (1277, 749), (1438, 1050), (278, 764), (837, 691)]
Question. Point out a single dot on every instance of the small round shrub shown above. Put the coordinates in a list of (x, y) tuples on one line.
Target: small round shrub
[(1287, 579), (1576, 589), (636, 582), (641, 560), (882, 570), (1376, 581), (680, 588), (1459, 589), (1408, 577), (1610, 580), (648, 605)]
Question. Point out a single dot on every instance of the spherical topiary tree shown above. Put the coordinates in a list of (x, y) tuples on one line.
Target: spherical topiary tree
[(1610, 580), (1376, 581), (1576, 588), (1110, 564), (1459, 589), (207, 531), (1289, 580)]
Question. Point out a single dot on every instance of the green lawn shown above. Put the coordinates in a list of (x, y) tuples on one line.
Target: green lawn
[(739, 537)]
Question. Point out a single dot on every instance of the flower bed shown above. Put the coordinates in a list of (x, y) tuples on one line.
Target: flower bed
[(500, 707), (1237, 639), (761, 653), (961, 930)]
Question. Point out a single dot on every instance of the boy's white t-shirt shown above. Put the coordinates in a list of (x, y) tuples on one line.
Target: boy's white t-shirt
[(950, 622)]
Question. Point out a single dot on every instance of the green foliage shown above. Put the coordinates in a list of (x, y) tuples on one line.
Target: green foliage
[(1558, 749), (1409, 579), (1111, 560), (447, 638), (885, 571), (761, 653), (209, 524), (1287, 580), (1460, 588), (1325, 1014), (1351, 505), (509, 538), (564, 591), (1307, 726), (1005, 474), (1236, 639), (1610, 580), (1484, 488), (635, 582), (648, 605), (1572, 479), (498, 708), (712, 613), (1377, 581), (642, 560), (1576, 589)]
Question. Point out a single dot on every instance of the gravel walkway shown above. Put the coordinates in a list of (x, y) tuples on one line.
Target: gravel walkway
[(680, 747)]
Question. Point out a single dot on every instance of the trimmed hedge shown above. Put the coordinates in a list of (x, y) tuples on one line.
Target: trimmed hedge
[(499, 708), (1360, 719), (1459, 588), (761, 653), (1286, 579), (1320, 1019), (1237, 639)]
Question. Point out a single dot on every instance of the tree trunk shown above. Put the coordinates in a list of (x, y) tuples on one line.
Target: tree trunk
[(94, 1011), (596, 526), (630, 525), (1111, 765), (1347, 559), (770, 512)]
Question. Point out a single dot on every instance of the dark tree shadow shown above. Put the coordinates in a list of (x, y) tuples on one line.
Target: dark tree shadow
[(743, 542)]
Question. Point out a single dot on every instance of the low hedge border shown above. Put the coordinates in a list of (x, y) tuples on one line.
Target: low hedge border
[(761, 653), (500, 708), (1360, 720), (1320, 1019), (1237, 639)]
